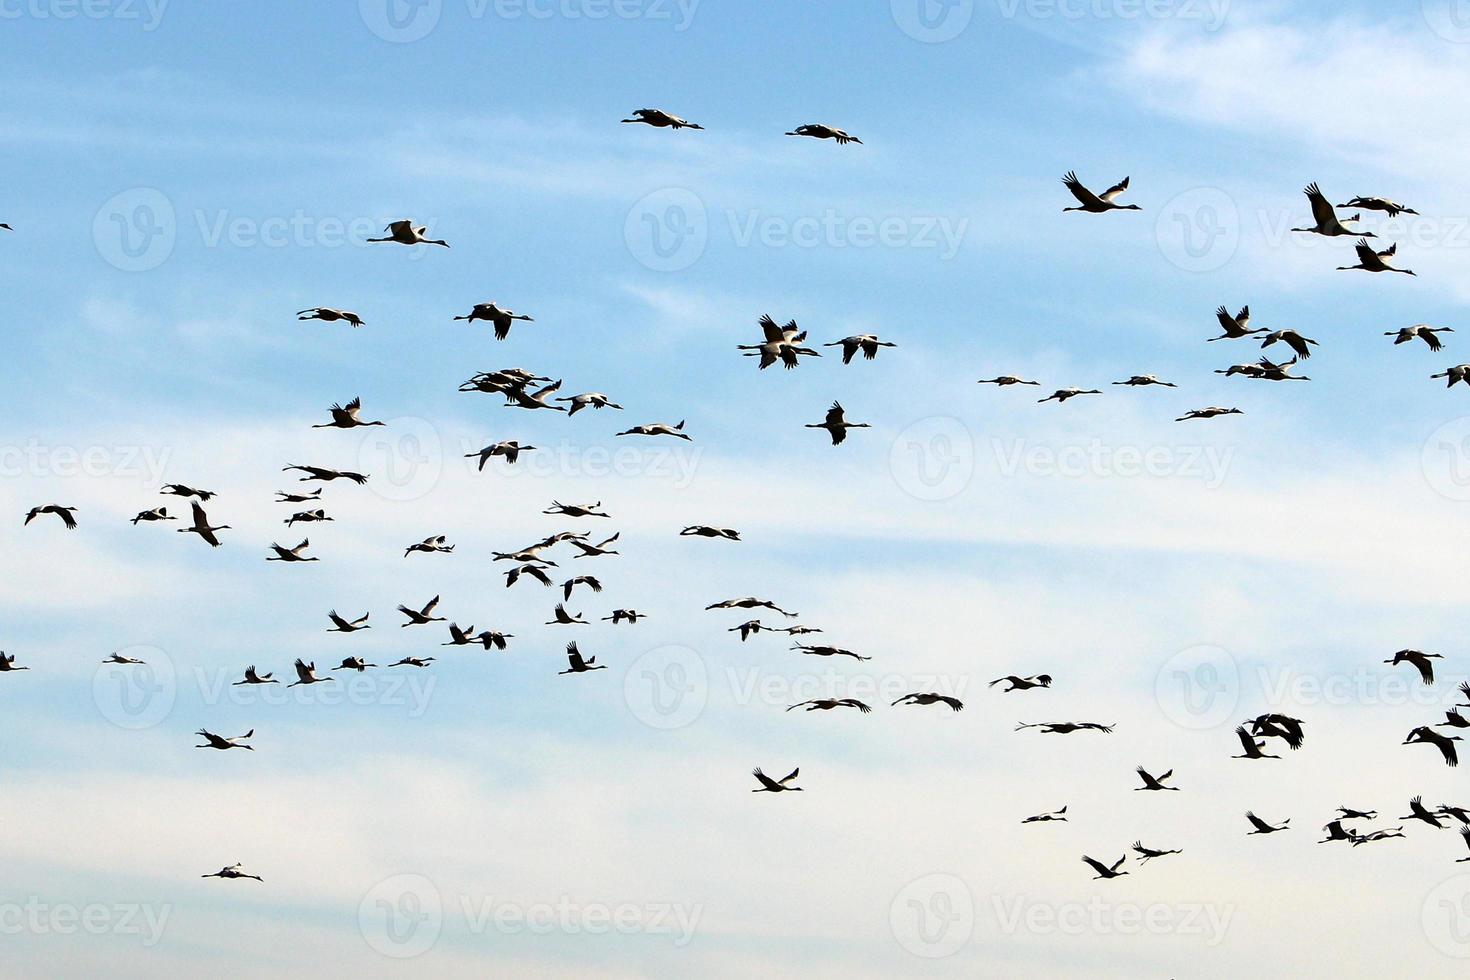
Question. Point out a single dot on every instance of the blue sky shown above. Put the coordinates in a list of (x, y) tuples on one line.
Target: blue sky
[(1273, 559)]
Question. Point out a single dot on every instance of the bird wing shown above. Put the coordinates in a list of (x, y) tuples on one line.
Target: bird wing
[(1366, 255), (1322, 212), (1084, 196), (1097, 866), (765, 780), (770, 328), (790, 776), (1116, 191)]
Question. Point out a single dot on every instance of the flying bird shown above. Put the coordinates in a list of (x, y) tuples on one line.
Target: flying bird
[(1420, 660), (421, 617), (828, 651), (595, 399), (1418, 812), (306, 674), (658, 429), (179, 490), (156, 514), (1062, 394), (660, 119), (769, 785), (575, 663), (1235, 327), (1371, 261), (1014, 683), (1067, 727), (631, 615), (1262, 827), (1392, 208), (1460, 372), (1097, 203), (511, 450), (65, 513), (1048, 817), (346, 417), (233, 871), (827, 704), (329, 315), (253, 677), (865, 342), (434, 544), (291, 554), (201, 525), (498, 318), (1252, 748), (927, 698), (341, 625), (1422, 331), (117, 658), (836, 424), (1151, 782), (7, 663), (560, 617), (1144, 380), (1149, 853), (1302, 346), (213, 741), (705, 531), (404, 232), (1208, 413), (750, 602), (1005, 380), (1324, 218), (326, 475), (1424, 735), (1104, 871), (588, 580), (822, 131)]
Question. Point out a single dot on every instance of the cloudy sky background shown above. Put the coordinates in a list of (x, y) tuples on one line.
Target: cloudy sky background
[(181, 180)]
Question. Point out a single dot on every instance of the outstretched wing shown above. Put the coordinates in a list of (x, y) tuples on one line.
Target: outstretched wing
[(1084, 196), (1116, 191)]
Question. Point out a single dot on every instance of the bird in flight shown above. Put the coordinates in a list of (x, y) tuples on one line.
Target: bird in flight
[(433, 544), (325, 475), (329, 315), (619, 615), (822, 131), (575, 510), (575, 663), (179, 490), (413, 662), (291, 554), (1324, 218), (588, 580), (1097, 203), (865, 342), (500, 319), (1392, 208), (660, 119), (511, 450), (1460, 372), (1302, 346), (1422, 331), (201, 525), (750, 602), (341, 625), (1208, 413), (828, 651), (7, 663), (1014, 683), (658, 429), (65, 513), (1151, 782), (421, 617), (1420, 660), (1276, 725), (1252, 748), (1149, 853), (1062, 394), (254, 677), (705, 531), (1262, 827), (354, 663), (534, 571), (117, 658), (405, 232), (1067, 727), (1424, 735), (1144, 380), (306, 674), (560, 617), (156, 514), (926, 698), (1371, 261), (827, 704), (769, 785), (778, 343), (595, 399), (836, 424), (282, 497), (233, 871), (1006, 380), (308, 517), (1104, 871), (1048, 817), (1418, 812), (346, 417), (1235, 327), (213, 741)]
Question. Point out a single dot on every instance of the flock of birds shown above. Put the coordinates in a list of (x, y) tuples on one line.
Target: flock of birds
[(787, 344)]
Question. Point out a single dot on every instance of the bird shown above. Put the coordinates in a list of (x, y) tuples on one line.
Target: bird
[(658, 429), (117, 658), (1268, 370), (822, 131), (282, 497), (596, 399), (253, 677), (769, 785), (1392, 208), (1376, 835), (1062, 394), (291, 554), (836, 424), (329, 315), (7, 663), (326, 475), (1301, 345), (1235, 326), (493, 638), (1424, 735), (1208, 413), (354, 663), (1144, 380), (1262, 827), (201, 525), (1458, 812), (404, 232), (865, 342), (748, 628), (308, 517), (783, 343), (179, 490), (1418, 812), (421, 617), (213, 741), (413, 662), (1420, 660), (1336, 831), (1324, 218), (511, 450), (156, 514), (499, 319), (233, 871), (1423, 331), (705, 531), (1348, 813), (1453, 719), (459, 636), (660, 119), (588, 580), (1371, 261), (827, 704), (1048, 817), (631, 615), (1460, 372), (6, 227), (1067, 727), (306, 674), (1097, 203), (341, 625), (345, 417), (560, 617), (1149, 853), (519, 398), (534, 571), (1153, 783), (65, 513), (1005, 380), (590, 550), (1252, 748), (828, 651), (750, 602), (575, 510), (926, 698), (1104, 871), (575, 663), (1015, 683), (1276, 725), (433, 544)]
